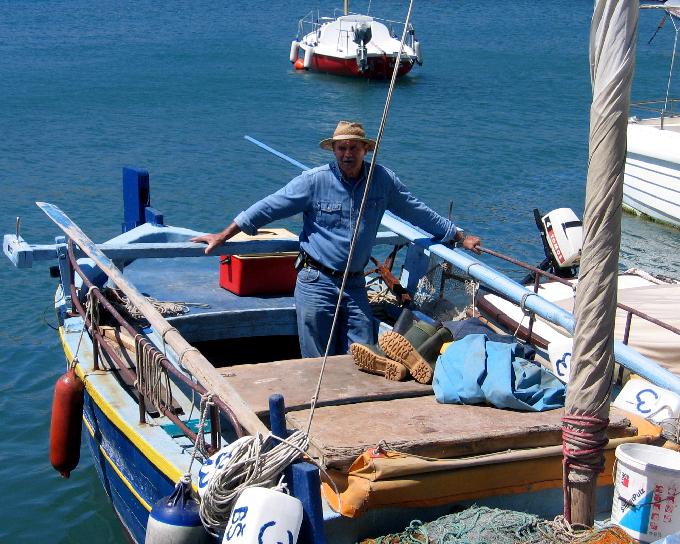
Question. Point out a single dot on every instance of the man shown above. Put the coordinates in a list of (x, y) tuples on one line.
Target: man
[(330, 198)]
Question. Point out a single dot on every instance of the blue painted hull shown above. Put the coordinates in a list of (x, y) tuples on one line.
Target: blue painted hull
[(121, 466)]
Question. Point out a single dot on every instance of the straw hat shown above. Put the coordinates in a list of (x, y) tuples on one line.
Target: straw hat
[(346, 130)]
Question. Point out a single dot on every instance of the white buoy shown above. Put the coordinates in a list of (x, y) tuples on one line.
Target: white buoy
[(418, 52), (216, 461), (648, 400), (265, 516), (308, 57), (294, 50)]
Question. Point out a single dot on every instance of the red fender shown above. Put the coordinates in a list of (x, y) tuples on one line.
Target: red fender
[(66, 425)]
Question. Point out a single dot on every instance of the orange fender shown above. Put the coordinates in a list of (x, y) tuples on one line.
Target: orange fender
[(66, 425)]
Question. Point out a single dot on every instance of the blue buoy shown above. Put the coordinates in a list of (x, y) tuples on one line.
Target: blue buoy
[(175, 519)]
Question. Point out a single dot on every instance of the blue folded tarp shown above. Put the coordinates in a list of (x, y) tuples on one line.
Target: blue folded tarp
[(476, 370)]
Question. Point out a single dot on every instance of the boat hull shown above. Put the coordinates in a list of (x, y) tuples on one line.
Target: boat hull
[(651, 185), (378, 67)]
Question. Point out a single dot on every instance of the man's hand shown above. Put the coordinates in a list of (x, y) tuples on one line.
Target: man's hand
[(213, 241), (217, 239), (471, 243)]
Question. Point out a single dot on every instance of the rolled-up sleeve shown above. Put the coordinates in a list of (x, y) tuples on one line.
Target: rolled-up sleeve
[(408, 207), (287, 201)]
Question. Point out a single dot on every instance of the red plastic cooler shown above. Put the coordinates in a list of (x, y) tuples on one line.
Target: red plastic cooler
[(247, 275)]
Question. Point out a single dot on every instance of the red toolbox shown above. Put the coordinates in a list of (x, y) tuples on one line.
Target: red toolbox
[(247, 275)]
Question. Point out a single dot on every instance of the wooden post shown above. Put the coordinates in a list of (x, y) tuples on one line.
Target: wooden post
[(583, 503), (192, 359)]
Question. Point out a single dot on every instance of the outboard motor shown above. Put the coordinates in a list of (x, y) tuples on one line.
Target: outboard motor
[(562, 236), (362, 35)]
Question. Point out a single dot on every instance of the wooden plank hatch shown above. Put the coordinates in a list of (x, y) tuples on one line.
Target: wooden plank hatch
[(357, 411), (296, 380)]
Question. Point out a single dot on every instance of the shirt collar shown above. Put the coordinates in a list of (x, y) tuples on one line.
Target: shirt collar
[(335, 168)]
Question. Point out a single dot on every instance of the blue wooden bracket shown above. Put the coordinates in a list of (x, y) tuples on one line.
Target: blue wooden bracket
[(136, 197), (153, 216), (302, 479), (17, 250), (306, 486)]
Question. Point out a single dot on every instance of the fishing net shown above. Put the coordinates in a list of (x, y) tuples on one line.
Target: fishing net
[(483, 525), (443, 294)]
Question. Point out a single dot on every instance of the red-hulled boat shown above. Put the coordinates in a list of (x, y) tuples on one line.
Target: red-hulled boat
[(353, 45)]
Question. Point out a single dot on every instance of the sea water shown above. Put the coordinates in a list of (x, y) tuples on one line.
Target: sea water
[(496, 120)]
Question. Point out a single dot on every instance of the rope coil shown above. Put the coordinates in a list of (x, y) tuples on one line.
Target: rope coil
[(254, 462)]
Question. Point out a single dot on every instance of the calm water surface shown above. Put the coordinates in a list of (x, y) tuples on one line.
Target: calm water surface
[(496, 120)]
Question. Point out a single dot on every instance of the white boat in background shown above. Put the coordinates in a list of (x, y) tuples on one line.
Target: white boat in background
[(353, 45), (652, 176)]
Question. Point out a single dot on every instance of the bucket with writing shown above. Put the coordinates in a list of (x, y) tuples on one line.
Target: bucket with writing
[(646, 486)]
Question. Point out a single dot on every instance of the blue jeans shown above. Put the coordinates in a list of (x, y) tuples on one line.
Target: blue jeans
[(316, 296)]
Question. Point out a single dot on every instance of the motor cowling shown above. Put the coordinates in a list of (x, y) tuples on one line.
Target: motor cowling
[(66, 424), (564, 234)]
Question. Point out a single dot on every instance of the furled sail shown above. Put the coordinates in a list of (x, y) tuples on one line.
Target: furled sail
[(612, 59)]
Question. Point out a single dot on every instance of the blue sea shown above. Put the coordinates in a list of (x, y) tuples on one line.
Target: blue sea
[(496, 120)]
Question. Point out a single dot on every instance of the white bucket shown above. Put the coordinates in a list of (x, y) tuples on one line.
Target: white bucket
[(646, 486)]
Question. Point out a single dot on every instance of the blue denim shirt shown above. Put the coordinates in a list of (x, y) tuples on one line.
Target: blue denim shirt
[(330, 206)]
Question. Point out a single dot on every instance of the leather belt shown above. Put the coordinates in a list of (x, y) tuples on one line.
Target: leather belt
[(308, 262)]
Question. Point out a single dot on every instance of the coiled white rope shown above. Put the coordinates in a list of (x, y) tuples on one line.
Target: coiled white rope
[(253, 463)]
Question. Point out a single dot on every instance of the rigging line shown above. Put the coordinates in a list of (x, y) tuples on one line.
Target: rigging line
[(670, 73), (369, 179)]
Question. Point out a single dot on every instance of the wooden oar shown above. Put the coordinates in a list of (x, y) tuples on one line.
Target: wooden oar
[(190, 357)]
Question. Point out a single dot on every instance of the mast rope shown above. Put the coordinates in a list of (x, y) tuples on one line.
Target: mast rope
[(589, 436), (364, 198)]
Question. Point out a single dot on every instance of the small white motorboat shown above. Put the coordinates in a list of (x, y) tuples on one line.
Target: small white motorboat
[(651, 184), (353, 45)]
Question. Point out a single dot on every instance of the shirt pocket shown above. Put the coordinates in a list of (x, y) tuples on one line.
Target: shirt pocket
[(329, 213)]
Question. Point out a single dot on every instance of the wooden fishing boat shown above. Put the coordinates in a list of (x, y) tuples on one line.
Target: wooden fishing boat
[(354, 45), (389, 451), (173, 400)]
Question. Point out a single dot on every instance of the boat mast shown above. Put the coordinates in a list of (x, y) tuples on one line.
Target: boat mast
[(346, 7), (613, 37)]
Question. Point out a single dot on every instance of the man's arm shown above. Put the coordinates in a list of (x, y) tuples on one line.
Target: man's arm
[(408, 207), (218, 238)]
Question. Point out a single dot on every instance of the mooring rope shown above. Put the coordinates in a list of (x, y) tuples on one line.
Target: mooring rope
[(152, 378), (93, 318), (360, 215), (253, 463)]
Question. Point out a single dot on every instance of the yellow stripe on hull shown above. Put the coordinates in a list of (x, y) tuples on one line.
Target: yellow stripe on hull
[(164, 466), (116, 469)]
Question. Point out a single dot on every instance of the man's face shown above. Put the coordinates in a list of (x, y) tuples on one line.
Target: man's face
[(350, 156)]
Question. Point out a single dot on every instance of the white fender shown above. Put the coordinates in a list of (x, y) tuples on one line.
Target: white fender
[(294, 50), (419, 54), (264, 515), (648, 401), (309, 52)]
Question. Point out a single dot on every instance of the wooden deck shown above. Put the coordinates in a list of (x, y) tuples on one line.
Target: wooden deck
[(357, 411)]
